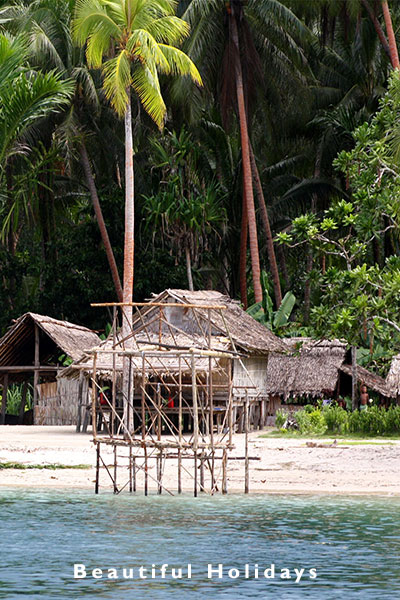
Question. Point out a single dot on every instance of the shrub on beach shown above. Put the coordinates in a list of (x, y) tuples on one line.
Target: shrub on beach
[(334, 419)]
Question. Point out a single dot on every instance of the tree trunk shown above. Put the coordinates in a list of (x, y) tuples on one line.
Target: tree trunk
[(267, 230), (189, 267), (354, 377), (100, 221), (243, 254), (247, 177), (394, 55), (378, 28), (128, 259)]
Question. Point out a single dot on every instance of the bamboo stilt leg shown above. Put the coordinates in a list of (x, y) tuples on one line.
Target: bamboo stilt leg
[(179, 471), (146, 475), (202, 472), (246, 447), (96, 487), (130, 470), (195, 474), (159, 471), (134, 473), (224, 479), (115, 470)]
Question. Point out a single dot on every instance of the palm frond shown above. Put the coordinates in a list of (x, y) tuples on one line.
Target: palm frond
[(117, 79), (147, 87), (180, 63)]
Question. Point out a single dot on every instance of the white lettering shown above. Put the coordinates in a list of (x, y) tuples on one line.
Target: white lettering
[(299, 574), (163, 570), (127, 573), (285, 574), (270, 573), (112, 574), (211, 571), (97, 573), (233, 573), (189, 570), (79, 571), (176, 573), (142, 571), (313, 573)]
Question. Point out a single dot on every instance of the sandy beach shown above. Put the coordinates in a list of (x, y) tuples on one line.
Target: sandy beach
[(292, 465)]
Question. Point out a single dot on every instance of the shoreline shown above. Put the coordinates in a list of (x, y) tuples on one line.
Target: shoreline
[(282, 466)]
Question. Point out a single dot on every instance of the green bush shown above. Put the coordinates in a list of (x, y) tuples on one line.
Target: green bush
[(280, 418), (311, 423), (336, 419)]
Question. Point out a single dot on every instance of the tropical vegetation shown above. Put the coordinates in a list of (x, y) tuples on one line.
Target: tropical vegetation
[(248, 146)]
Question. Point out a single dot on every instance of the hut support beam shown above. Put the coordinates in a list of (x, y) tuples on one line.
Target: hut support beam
[(4, 400)]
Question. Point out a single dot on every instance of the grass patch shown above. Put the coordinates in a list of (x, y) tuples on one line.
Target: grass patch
[(357, 438), (51, 466)]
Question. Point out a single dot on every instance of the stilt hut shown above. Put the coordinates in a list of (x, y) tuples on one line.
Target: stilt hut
[(315, 369), (33, 350), (181, 320)]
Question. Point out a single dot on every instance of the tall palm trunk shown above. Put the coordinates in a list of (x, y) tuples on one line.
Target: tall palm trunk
[(100, 221), (189, 266), (247, 177), (243, 253), (394, 55), (378, 27), (267, 230), (128, 259)]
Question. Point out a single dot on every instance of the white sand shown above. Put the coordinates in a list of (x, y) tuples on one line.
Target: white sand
[(285, 465)]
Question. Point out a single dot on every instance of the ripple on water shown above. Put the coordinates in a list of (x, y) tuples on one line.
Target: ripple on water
[(352, 542)]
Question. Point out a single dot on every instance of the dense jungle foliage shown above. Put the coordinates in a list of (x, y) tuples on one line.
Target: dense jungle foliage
[(266, 153)]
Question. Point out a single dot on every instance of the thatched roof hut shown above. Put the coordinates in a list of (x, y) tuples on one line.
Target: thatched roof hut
[(233, 322), (32, 347), (393, 377), (311, 370), (371, 380), (232, 329), (17, 345)]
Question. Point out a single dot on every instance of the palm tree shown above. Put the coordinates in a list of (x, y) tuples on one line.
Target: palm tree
[(142, 36), (47, 23), (228, 39)]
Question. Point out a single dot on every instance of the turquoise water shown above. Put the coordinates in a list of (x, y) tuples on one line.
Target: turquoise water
[(353, 543)]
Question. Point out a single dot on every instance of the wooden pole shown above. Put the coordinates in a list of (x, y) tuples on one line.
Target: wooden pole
[(195, 407), (159, 423), (96, 487), (354, 377), (202, 489), (159, 474), (94, 397), (23, 402), (37, 365), (115, 469), (4, 399), (134, 473), (224, 465), (195, 474), (130, 470), (114, 374), (246, 445), (146, 474), (180, 425), (230, 402)]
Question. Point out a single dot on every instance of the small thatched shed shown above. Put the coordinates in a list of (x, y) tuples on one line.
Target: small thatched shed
[(35, 348), (311, 369), (316, 369), (393, 376)]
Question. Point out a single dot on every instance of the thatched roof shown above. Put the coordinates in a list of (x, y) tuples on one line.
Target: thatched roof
[(17, 345), (371, 380), (166, 362), (393, 377), (246, 333), (312, 369)]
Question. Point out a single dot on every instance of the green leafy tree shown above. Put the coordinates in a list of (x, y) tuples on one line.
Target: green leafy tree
[(142, 36)]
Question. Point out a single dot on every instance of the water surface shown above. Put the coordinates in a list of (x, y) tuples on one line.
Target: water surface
[(353, 543)]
